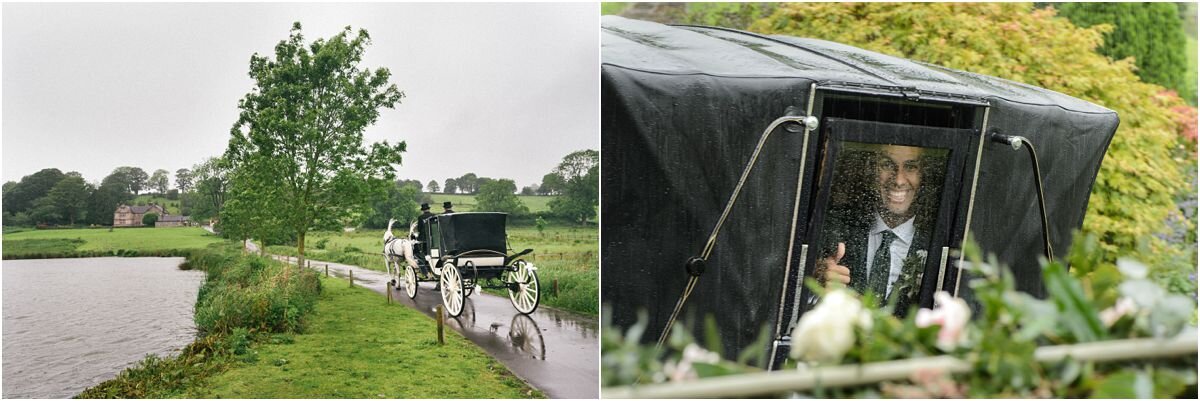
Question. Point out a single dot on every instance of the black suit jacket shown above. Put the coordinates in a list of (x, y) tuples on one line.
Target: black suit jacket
[(854, 232)]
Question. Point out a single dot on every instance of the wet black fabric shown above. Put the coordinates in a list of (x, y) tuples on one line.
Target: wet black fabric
[(682, 110), (461, 232)]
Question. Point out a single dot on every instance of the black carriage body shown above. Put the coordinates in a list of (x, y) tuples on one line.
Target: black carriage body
[(684, 108), (456, 233)]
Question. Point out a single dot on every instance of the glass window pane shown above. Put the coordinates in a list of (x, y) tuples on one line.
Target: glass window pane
[(880, 217)]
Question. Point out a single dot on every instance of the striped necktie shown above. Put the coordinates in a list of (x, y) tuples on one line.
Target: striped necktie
[(881, 265)]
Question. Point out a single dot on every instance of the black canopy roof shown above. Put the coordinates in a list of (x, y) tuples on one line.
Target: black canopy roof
[(462, 232), (683, 108)]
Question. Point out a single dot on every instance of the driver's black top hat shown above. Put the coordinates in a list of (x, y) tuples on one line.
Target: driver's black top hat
[(447, 205), (424, 206)]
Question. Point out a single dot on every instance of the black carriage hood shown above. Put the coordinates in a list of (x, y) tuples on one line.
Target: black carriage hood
[(682, 110)]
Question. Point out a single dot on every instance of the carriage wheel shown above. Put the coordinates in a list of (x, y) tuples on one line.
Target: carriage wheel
[(410, 282), (452, 290), (525, 294)]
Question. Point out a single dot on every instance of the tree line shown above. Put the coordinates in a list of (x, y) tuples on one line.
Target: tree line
[(51, 197)]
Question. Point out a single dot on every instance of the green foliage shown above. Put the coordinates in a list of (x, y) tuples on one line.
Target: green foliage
[(1134, 192), (252, 293), (729, 15), (159, 181), (1150, 33), (580, 174), (612, 8), (21, 196), (394, 202), (300, 131), (1000, 343), (149, 219), (500, 196)]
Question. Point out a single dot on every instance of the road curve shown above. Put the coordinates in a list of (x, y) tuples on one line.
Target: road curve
[(554, 351)]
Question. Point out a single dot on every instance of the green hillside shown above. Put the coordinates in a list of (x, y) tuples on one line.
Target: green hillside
[(466, 203)]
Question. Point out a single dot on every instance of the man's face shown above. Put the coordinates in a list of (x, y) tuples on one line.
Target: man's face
[(899, 172)]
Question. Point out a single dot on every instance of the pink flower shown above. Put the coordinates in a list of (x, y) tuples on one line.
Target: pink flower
[(952, 314)]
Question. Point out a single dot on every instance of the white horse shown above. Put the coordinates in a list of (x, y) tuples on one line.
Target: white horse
[(395, 248)]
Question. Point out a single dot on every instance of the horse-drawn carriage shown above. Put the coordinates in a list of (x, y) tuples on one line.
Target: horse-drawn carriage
[(463, 253)]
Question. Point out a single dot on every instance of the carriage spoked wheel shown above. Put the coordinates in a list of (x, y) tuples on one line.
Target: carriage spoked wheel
[(523, 288), (410, 282), (452, 290)]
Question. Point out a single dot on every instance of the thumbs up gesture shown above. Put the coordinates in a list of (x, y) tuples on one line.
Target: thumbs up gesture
[(833, 268)]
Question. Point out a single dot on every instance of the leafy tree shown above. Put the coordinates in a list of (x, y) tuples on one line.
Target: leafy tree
[(70, 196), (211, 179), (500, 196), (432, 186), (1151, 33), (44, 211), (412, 183), (396, 202), (21, 197), (248, 214), (301, 129), (552, 184), (135, 177), (468, 183), (451, 186), (183, 179), (103, 202), (541, 226), (149, 219), (159, 181), (529, 190), (1134, 191), (580, 173), (173, 194)]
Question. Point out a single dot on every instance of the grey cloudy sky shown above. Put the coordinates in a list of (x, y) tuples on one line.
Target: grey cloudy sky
[(500, 90)]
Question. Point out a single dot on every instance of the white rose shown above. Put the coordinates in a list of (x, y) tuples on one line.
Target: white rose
[(952, 314), (826, 332), (1124, 306)]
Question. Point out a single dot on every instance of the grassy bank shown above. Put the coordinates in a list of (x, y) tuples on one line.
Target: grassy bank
[(270, 331), (358, 346), (244, 299), (564, 253), (88, 242)]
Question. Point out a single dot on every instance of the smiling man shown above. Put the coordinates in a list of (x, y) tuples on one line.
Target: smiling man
[(882, 250)]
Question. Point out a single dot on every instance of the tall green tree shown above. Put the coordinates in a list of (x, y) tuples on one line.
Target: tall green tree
[(451, 186), (159, 181), (103, 202), (580, 174), (301, 129), (468, 183), (499, 196), (70, 196), (433, 187), (1151, 33), (552, 184), (183, 180), (211, 179), (20, 197), (394, 202)]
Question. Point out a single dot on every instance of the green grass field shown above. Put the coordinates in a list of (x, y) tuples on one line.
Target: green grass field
[(96, 239), (568, 254), (171, 205), (358, 346), (466, 203)]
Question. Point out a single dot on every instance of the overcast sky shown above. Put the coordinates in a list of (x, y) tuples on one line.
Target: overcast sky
[(500, 90)]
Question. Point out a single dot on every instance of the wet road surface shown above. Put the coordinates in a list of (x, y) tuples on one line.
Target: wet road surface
[(554, 351)]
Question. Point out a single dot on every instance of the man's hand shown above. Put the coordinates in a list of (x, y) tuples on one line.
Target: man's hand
[(832, 267)]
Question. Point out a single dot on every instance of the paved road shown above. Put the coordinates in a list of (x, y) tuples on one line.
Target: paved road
[(554, 351)]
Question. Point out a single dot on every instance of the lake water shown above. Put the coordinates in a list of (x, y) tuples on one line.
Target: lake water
[(72, 323)]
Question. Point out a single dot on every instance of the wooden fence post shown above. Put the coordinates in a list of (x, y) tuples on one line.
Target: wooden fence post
[(388, 290), (351, 277), (556, 288), (441, 320), (326, 270)]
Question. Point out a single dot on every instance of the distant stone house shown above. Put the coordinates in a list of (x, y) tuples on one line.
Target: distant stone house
[(131, 216), (171, 220)]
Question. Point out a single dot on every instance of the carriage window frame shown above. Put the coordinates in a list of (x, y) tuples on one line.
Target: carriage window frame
[(835, 133)]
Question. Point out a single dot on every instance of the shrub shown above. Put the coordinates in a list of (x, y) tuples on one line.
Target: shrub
[(149, 219), (1135, 190), (252, 293)]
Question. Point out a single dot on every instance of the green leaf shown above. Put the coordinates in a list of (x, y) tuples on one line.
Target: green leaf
[(1079, 315), (1116, 385)]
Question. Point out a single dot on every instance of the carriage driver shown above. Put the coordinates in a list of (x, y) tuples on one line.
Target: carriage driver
[(448, 206), (424, 213), (883, 250)]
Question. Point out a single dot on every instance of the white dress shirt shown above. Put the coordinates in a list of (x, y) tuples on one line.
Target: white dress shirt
[(899, 249)]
